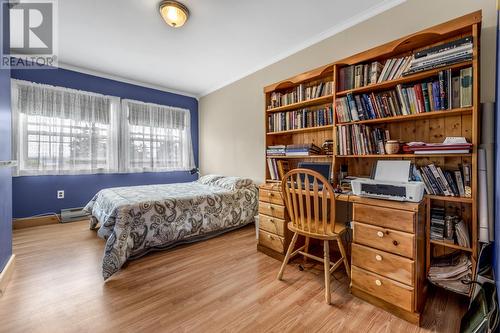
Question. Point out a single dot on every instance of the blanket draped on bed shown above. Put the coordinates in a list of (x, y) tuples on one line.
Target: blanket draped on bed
[(137, 219)]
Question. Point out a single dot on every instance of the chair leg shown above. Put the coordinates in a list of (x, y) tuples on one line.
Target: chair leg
[(287, 256), (344, 257), (306, 248), (327, 272)]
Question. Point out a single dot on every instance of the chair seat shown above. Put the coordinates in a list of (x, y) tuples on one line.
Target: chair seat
[(338, 231)]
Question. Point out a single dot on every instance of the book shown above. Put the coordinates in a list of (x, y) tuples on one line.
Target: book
[(466, 87), (283, 168), (455, 92), (467, 180), (460, 183)]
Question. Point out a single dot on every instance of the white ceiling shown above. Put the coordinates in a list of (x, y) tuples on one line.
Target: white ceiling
[(223, 41)]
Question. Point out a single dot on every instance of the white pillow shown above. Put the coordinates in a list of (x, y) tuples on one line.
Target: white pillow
[(209, 179)]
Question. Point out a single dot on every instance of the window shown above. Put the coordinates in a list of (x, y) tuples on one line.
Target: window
[(63, 131), (156, 137)]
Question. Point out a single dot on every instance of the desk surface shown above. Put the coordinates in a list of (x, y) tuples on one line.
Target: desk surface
[(344, 197)]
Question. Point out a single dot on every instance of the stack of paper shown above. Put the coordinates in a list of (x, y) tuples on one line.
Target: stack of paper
[(451, 276)]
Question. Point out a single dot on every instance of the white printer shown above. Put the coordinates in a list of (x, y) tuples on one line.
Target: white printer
[(390, 181)]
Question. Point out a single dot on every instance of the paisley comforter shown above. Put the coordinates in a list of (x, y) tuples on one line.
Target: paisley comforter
[(135, 220)]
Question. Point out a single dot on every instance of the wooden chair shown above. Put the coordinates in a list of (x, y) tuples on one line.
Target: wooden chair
[(310, 201)]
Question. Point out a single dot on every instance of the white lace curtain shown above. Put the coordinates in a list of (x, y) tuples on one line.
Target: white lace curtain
[(156, 137), (63, 131)]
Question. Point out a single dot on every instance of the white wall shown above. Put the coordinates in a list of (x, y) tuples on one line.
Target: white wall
[(231, 119)]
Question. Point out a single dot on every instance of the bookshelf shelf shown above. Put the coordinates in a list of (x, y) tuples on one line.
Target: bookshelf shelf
[(328, 99), (406, 79), (418, 116), (449, 199), (452, 246), (302, 130), (301, 157), (403, 155)]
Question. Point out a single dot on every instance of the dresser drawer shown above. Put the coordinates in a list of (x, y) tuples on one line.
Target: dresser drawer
[(272, 241), (272, 210), (390, 291), (272, 225), (271, 197), (383, 263), (396, 219), (388, 240)]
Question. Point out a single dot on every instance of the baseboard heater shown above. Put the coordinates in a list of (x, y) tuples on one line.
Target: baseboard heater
[(73, 214)]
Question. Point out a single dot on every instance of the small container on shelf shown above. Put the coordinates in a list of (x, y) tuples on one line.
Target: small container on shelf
[(392, 147)]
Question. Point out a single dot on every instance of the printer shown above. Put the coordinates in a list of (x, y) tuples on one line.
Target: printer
[(390, 182)]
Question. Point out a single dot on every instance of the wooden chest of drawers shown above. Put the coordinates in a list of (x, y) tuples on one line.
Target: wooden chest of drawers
[(274, 236), (388, 256)]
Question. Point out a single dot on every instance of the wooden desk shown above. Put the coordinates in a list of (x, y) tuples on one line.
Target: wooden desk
[(388, 248)]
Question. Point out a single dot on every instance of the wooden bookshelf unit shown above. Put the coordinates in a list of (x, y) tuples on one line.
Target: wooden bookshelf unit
[(432, 125)]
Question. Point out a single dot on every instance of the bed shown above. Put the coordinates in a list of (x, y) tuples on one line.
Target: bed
[(135, 220)]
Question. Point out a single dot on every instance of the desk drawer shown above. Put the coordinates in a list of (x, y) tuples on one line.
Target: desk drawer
[(388, 240), (271, 197), (383, 263), (272, 210), (272, 225), (390, 291), (271, 241), (396, 219)]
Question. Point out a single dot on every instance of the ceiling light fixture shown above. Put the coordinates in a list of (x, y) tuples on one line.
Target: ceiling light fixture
[(174, 13)]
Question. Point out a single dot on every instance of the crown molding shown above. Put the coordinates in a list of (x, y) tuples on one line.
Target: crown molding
[(344, 25), (123, 79)]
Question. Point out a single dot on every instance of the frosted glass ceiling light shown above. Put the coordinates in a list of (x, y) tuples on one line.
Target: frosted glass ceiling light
[(174, 13)]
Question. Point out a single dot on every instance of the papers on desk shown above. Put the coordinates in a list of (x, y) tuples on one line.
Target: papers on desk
[(449, 271)]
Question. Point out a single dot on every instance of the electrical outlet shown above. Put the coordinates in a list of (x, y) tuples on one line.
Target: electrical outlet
[(60, 194)]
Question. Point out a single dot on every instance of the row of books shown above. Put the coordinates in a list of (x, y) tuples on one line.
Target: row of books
[(450, 270), (460, 234), (276, 150), (300, 93), (437, 223), (356, 76), (277, 168), (446, 92), (303, 149), (441, 55), (361, 75), (359, 139), (285, 121), (456, 183)]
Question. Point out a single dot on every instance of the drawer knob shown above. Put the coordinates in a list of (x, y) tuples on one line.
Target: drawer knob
[(378, 257), (271, 194), (271, 220), (378, 282), (395, 243), (380, 234), (270, 237), (271, 207)]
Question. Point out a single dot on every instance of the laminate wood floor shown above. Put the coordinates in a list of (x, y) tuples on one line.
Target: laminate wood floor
[(219, 285)]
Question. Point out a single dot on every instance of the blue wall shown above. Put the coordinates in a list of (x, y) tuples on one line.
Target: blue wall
[(34, 195), (496, 244), (5, 154)]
